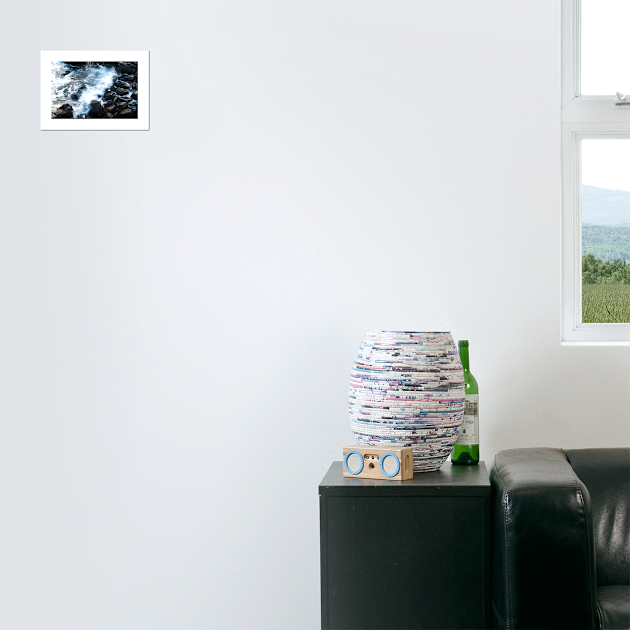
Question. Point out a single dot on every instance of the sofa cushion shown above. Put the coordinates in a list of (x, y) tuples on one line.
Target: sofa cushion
[(606, 474), (613, 606)]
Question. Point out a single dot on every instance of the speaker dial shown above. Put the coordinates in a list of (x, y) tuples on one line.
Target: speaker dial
[(353, 462), (390, 464)]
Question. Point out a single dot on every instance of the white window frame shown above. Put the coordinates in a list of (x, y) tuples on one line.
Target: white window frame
[(582, 117)]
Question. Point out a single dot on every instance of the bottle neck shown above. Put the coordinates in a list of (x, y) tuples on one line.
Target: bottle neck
[(463, 353)]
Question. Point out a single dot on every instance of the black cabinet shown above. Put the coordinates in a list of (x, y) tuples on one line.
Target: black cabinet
[(406, 554)]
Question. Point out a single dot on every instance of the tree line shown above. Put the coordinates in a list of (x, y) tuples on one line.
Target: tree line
[(597, 271)]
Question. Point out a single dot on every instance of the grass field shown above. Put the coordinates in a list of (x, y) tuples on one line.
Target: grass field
[(605, 303)]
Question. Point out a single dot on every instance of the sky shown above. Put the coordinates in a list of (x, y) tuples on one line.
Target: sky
[(605, 51), (606, 163), (606, 70)]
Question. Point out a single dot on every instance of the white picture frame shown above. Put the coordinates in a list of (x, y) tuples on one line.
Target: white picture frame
[(141, 123)]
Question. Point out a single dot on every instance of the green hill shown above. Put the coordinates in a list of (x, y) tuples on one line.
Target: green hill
[(602, 206), (607, 242)]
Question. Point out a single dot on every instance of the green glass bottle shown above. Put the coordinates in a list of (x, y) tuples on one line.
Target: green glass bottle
[(466, 449)]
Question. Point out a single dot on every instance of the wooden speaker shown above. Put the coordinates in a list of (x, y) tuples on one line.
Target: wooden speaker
[(375, 462)]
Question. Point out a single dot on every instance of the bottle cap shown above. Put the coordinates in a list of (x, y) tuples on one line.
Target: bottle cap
[(463, 342)]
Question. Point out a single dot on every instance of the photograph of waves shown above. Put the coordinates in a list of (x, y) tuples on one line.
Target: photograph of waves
[(94, 89)]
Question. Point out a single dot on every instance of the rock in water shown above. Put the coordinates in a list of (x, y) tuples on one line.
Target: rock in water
[(96, 110), (75, 95), (65, 111), (127, 67), (127, 113)]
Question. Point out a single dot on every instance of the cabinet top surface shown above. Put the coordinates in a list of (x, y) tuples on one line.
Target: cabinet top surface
[(449, 480)]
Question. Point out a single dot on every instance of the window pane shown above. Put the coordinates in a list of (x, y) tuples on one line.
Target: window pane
[(605, 231), (605, 50)]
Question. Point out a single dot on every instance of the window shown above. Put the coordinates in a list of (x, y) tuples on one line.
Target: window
[(595, 172)]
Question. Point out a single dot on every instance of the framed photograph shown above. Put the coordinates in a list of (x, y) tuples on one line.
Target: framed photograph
[(94, 90)]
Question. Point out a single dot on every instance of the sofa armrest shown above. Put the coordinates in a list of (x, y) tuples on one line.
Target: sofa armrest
[(543, 572)]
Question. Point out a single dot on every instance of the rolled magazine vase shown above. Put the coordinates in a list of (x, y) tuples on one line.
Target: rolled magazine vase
[(407, 389)]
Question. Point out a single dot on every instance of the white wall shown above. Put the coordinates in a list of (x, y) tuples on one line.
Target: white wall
[(180, 308)]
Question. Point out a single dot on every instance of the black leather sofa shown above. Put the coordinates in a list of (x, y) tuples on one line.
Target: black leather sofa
[(561, 540)]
